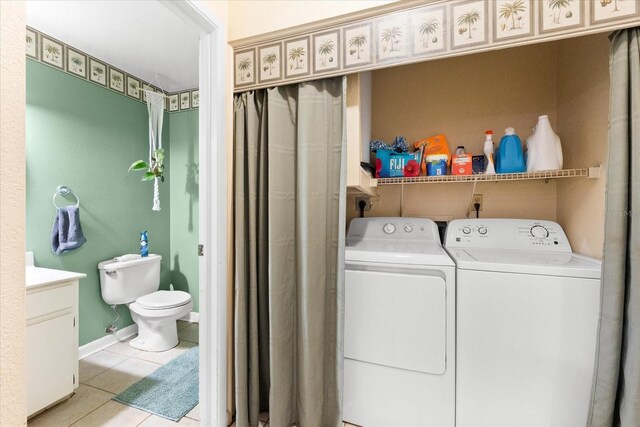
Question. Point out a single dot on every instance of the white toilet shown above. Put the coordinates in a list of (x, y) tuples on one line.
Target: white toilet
[(134, 280)]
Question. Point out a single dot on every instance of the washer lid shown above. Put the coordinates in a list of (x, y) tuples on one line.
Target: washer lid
[(398, 252), (163, 299), (527, 262)]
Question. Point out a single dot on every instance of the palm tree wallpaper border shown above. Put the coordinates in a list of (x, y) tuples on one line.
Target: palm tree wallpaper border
[(470, 23), (98, 72), (512, 19), (31, 39), (428, 26), (270, 63), (357, 45), (414, 32), (245, 62), (298, 56), (42, 48), (559, 15), (76, 63), (52, 52), (610, 10), (326, 49), (392, 37), (133, 87)]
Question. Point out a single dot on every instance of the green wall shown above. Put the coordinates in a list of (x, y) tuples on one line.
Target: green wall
[(85, 136), (184, 202)]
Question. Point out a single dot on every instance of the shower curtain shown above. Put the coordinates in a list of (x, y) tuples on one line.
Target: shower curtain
[(616, 390), (289, 214)]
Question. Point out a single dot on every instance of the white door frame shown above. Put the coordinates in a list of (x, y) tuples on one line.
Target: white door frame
[(213, 210)]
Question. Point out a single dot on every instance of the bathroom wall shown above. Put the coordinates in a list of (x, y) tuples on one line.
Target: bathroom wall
[(13, 407), (183, 131), (84, 136)]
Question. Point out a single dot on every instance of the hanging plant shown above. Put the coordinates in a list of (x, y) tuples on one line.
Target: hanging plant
[(155, 170)]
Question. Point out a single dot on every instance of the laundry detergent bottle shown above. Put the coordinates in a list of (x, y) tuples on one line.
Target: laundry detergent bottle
[(544, 150), (509, 157)]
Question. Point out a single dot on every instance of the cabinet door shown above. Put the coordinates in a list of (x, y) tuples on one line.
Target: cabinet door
[(51, 359)]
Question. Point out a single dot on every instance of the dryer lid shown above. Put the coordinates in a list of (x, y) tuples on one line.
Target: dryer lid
[(398, 252), (406, 241), (160, 300)]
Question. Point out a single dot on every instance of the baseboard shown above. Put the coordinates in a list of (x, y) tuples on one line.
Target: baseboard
[(104, 342), (192, 317)]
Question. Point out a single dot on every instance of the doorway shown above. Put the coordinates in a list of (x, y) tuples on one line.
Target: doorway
[(211, 193)]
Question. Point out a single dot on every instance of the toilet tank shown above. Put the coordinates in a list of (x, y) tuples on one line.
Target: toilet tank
[(125, 278)]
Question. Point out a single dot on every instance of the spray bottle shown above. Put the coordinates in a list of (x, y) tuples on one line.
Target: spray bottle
[(144, 244), (488, 152)]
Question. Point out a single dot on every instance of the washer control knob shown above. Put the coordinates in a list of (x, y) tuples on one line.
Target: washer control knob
[(389, 228), (482, 230), (408, 228), (466, 230), (539, 232)]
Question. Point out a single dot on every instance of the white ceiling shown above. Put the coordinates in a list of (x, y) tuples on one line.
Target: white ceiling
[(141, 37)]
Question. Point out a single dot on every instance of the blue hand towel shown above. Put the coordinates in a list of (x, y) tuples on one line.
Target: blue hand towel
[(66, 233)]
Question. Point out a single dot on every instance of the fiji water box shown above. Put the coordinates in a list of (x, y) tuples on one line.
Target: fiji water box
[(390, 164)]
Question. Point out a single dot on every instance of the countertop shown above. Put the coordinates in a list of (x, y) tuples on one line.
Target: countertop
[(38, 276)]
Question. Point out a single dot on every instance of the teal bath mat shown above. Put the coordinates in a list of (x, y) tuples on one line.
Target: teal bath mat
[(169, 392)]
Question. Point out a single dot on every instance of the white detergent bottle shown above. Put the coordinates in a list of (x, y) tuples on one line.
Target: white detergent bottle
[(544, 150), (488, 152)]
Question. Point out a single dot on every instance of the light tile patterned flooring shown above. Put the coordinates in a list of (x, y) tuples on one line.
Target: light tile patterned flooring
[(109, 372)]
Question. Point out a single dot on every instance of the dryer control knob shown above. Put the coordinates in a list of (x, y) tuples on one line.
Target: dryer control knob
[(539, 232), (466, 230), (482, 230), (408, 228), (389, 228)]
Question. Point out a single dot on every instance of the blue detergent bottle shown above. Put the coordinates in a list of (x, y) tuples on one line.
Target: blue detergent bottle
[(509, 157), (144, 244)]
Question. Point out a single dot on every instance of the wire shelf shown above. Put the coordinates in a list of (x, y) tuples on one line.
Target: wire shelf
[(551, 174)]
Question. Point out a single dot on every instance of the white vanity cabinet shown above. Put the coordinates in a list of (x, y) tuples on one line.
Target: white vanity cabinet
[(52, 336)]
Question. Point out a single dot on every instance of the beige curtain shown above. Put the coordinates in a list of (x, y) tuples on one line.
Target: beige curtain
[(616, 391), (289, 201)]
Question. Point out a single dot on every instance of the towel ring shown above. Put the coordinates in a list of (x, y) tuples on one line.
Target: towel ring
[(63, 190)]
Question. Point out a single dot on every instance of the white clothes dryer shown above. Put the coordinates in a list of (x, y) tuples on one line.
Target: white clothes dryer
[(399, 328), (527, 319)]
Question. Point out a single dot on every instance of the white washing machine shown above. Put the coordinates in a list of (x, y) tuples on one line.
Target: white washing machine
[(527, 318), (399, 337)]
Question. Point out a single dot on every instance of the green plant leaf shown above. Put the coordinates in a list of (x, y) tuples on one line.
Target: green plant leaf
[(138, 165), (149, 176)]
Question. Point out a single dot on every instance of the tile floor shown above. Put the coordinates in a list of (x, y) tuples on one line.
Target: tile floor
[(109, 372)]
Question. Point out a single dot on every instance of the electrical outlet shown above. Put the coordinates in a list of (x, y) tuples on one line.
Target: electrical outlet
[(477, 198), (366, 200)]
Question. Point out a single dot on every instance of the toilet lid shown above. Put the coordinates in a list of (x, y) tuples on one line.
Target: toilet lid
[(163, 299)]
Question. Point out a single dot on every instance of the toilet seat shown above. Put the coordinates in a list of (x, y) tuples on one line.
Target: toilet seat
[(162, 300)]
